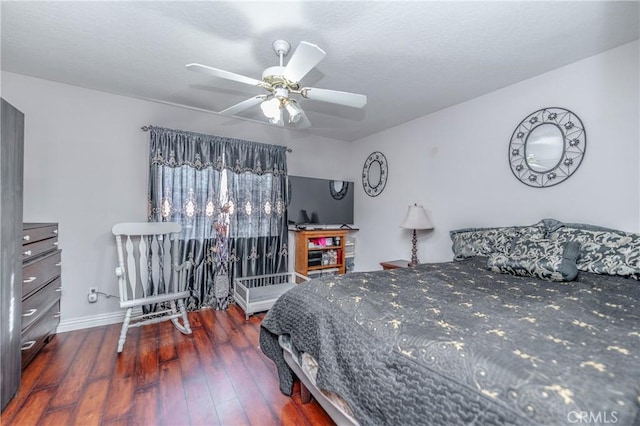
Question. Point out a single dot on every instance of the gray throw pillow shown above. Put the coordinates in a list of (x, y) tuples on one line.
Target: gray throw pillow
[(547, 259), (603, 251), (469, 242)]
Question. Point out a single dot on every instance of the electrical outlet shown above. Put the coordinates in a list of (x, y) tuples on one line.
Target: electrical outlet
[(92, 297)]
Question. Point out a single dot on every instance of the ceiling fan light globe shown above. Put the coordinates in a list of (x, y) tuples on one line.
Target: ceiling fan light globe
[(277, 121), (295, 112), (294, 118), (271, 108)]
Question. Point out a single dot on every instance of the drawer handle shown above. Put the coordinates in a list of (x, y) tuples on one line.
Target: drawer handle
[(26, 238), (29, 312), (59, 264), (28, 345), (55, 231), (58, 315), (27, 253), (55, 244), (59, 289), (29, 280)]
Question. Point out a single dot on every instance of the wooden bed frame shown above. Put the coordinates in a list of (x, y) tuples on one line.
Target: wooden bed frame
[(308, 389)]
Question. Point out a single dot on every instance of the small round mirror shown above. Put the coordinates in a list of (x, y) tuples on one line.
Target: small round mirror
[(544, 147)]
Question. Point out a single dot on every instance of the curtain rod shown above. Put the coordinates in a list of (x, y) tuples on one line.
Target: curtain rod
[(147, 128)]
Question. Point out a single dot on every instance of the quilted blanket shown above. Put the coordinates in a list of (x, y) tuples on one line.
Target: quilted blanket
[(453, 343)]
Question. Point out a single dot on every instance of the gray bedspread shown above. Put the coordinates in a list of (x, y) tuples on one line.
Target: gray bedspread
[(453, 343)]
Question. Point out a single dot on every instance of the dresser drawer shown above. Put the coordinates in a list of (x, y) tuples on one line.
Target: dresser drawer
[(39, 272), (33, 232), (37, 248), (34, 306), (34, 337)]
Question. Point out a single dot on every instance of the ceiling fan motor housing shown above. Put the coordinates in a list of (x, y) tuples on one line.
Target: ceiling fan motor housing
[(272, 72), (273, 77)]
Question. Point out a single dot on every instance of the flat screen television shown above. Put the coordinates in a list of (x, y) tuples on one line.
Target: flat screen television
[(317, 202)]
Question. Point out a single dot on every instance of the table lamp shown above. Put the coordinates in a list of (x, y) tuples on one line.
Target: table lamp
[(415, 219)]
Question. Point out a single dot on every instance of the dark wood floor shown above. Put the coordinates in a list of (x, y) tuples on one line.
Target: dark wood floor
[(217, 375)]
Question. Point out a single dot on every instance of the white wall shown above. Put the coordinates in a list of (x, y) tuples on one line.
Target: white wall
[(86, 166), (454, 162)]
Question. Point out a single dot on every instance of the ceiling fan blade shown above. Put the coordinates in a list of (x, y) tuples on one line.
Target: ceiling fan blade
[(224, 74), (244, 105), (305, 57), (335, 97)]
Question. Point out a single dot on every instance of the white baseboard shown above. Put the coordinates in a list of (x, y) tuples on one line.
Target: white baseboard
[(90, 321)]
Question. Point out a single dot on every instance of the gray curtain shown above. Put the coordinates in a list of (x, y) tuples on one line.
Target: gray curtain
[(258, 228), (214, 187)]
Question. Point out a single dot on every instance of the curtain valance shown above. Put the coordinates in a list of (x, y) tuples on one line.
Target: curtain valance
[(176, 148)]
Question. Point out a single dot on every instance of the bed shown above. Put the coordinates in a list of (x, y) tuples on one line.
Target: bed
[(536, 325)]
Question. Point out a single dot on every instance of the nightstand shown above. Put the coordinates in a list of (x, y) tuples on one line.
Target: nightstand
[(394, 264)]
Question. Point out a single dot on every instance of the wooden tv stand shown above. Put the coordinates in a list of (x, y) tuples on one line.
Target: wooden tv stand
[(327, 245)]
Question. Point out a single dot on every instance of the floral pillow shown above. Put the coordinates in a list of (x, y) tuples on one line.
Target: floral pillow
[(547, 259), (470, 242), (603, 251)]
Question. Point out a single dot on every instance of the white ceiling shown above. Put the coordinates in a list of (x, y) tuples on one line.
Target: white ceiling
[(409, 58)]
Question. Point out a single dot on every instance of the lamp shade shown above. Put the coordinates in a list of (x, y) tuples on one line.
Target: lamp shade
[(416, 218)]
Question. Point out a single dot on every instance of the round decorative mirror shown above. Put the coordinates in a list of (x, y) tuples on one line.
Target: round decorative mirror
[(374, 174), (338, 189), (547, 147)]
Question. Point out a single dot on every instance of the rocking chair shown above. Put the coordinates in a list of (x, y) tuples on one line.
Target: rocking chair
[(149, 279)]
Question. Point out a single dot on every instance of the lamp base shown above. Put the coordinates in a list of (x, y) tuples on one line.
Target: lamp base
[(414, 249)]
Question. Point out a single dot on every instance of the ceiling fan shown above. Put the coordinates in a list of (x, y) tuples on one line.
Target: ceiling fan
[(283, 81)]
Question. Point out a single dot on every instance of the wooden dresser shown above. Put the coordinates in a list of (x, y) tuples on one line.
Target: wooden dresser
[(41, 264), (11, 183)]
